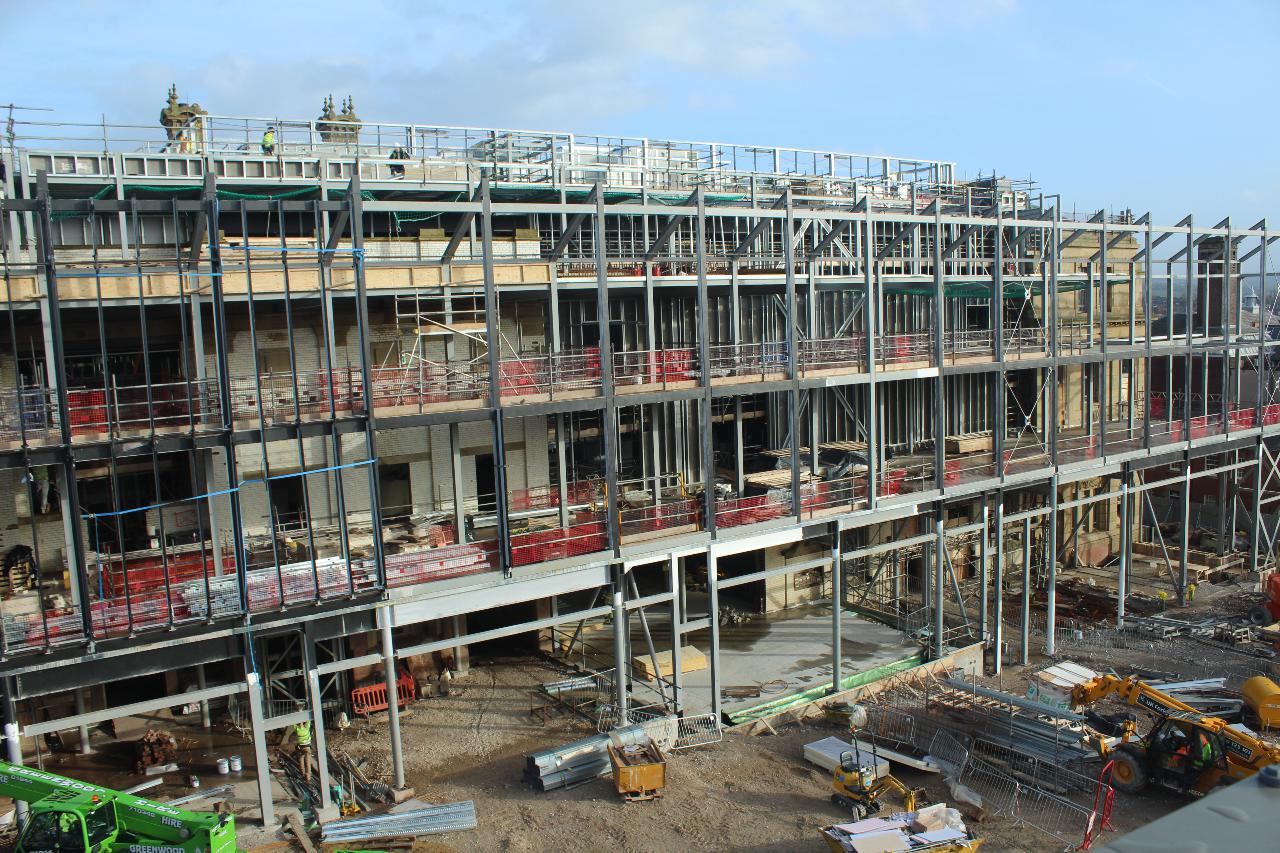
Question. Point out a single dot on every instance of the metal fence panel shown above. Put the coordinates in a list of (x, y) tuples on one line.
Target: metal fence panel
[(948, 750), (698, 730)]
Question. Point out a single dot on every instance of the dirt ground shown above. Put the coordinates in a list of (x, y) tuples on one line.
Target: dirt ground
[(747, 793)]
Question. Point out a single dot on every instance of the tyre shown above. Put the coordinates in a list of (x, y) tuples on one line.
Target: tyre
[(1128, 771)]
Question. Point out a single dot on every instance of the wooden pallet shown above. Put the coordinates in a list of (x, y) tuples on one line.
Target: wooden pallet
[(970, 442)]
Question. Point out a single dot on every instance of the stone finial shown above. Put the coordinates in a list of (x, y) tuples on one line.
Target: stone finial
[(327, 114), (176, 114)]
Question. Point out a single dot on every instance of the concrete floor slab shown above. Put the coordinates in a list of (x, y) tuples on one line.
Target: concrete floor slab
[(784, 653)]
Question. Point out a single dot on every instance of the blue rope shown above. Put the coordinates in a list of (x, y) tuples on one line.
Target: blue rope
[(95, 515)]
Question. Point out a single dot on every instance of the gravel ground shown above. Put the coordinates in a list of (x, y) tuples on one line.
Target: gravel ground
[(747, 793)]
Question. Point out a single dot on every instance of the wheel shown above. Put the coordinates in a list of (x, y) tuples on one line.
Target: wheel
[(1128, 771), (1260, 615)]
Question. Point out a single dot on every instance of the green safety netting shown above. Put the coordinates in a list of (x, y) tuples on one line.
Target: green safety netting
[(980, 290), (147, 189), (802, 697)]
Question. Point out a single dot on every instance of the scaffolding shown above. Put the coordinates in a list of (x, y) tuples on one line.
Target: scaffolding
[(242, 402)]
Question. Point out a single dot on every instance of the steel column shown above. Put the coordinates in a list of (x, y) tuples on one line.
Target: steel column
[(609, 414), (493, 340), (677, 633), (316, 700), (939, 582), (621, 625), (713, 611), (261, 759), (1051, 558), (1025, 648), (393, 697), (837, 605), (57, 368), (1122, 576), (983, 575), (998, 588), (704, 364), (12, 738)]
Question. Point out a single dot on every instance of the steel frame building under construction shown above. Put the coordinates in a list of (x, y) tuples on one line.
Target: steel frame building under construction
[(275, 417)]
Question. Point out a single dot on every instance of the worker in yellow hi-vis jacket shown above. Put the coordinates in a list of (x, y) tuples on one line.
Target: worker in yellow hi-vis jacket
[(302, 734)]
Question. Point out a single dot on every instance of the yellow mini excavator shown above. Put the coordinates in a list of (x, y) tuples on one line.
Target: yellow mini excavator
[(858, 789)]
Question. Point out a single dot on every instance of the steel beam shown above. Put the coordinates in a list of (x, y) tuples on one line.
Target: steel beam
[(759, 228), (575, 224)]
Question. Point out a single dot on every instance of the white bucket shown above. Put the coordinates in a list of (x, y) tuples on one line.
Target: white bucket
[(223, 767), (236, 766)]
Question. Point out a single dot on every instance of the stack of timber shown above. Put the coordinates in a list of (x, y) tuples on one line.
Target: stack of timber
[(155, 748)]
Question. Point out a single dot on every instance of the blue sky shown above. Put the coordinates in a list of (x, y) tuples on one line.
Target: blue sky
[(1158, 106)]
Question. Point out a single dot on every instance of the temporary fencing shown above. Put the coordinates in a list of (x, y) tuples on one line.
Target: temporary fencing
[(1030, 790)]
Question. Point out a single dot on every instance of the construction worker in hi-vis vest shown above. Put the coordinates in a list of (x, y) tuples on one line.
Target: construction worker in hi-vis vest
[(302, 734)]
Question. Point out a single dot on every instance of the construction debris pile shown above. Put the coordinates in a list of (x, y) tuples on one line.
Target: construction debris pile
[(930, 828), (356, 793), (155, 749)]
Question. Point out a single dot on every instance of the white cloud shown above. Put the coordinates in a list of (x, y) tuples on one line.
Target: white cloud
[(543, 63)]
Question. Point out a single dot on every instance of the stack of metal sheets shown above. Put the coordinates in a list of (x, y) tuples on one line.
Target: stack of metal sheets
[(580, 761), (450, 817)]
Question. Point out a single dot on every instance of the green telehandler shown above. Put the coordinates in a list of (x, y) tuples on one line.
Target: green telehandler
[(68, 816)]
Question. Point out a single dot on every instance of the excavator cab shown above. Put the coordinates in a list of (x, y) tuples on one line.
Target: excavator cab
[(854, 776), (1185, 756), (1176, 754)]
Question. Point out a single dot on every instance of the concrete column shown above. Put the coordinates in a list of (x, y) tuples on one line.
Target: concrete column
[(12, 740), (85, 747), (260, 757), (205, 721), (461, 661), (393, 700)]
